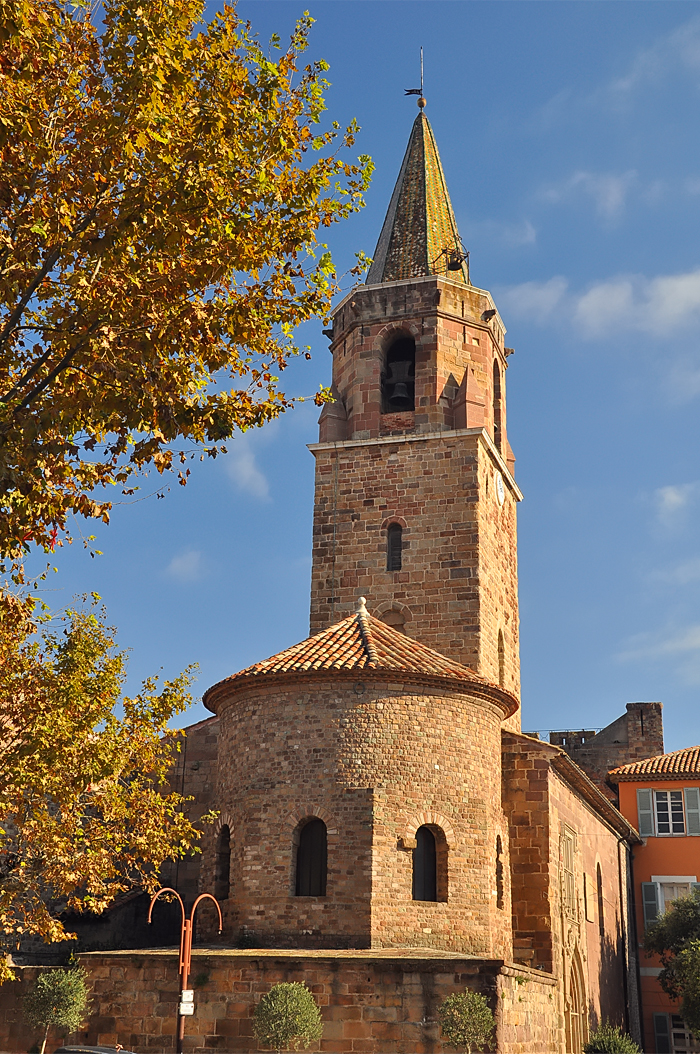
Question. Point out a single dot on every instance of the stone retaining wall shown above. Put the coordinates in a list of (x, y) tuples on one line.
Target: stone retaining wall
[(371, 1001)]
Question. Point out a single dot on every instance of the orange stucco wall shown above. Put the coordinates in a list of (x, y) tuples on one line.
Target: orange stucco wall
[(665, 855)]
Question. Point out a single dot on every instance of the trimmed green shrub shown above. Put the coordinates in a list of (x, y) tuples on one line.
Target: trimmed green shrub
[(610, 1039), (466, 1020), (59, 999), (287, 1016)]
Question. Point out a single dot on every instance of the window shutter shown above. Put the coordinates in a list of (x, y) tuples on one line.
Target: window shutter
[(662, 1034), (644, 813), (692, 810), (650, 901)]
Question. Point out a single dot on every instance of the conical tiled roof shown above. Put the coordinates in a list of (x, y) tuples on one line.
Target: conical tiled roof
[(360, 642), (420, 224), (661, 767)]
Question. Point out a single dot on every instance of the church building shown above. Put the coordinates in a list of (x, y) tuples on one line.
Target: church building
[(377, 800)]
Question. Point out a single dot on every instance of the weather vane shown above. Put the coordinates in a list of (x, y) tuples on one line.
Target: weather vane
[(418, 91)]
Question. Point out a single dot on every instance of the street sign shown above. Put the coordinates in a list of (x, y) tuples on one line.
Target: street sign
[(186, 1009)]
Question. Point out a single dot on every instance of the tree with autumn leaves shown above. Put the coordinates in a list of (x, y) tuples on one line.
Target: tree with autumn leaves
[(165, 187)]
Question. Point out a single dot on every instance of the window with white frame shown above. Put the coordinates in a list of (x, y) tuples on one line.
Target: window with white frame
[(659, 894), (665, 813), (672, 1036)]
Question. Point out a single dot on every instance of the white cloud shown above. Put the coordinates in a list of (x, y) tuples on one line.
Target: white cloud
[(534, 300), (679, 49), (658, 306), (681, 647), (681, 575), (242, 469), (510, 234), (608, 191), (186, 566), (672, 502)]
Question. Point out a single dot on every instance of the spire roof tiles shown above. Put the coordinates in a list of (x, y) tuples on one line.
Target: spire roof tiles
[(671, 766), (420, 224)]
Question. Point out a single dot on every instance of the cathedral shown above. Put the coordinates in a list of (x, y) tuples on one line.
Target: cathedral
[(384, 830), (376, 796)]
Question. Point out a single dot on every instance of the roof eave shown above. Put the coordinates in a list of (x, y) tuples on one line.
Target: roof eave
[(506, 702)]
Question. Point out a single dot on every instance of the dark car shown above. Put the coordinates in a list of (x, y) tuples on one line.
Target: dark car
[(82, 1049)]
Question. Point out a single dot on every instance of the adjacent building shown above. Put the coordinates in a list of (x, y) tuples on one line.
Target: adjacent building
[(660, 796)]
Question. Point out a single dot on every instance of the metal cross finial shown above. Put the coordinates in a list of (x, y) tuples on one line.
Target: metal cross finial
[(418, 91)]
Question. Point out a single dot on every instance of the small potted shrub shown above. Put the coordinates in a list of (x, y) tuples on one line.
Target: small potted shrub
[(610, 1039), (467, 1021), (287, 1016), (59, 999)]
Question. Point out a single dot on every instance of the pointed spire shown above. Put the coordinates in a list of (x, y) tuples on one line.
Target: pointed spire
[(420, 230)]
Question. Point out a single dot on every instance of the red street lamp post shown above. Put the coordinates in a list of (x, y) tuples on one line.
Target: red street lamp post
[(186, 933)]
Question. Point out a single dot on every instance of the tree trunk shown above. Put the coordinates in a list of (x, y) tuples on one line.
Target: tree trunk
[(46, 1036)]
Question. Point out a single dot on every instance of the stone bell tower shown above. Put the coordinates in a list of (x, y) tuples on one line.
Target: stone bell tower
[(415, 504)]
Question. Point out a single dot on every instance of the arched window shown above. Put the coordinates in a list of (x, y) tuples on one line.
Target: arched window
[(394, 546), (425, 865), (501, 659), (496, 404), (601, 902), (312, 860), (222, 882), (575, 1009), (398, 377), (395, 619)]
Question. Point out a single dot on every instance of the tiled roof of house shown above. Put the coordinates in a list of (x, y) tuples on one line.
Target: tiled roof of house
[(662, 767), (360, 642), (420, 224)]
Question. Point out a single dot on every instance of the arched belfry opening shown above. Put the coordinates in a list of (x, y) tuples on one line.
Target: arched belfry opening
[(311, 859), (398, 376)]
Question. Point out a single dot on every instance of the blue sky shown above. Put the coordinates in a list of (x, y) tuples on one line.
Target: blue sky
[(569, 136)]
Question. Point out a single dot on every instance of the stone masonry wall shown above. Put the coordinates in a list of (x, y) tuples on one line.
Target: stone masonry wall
[(379, 1003), (374, 761), (594, 928), (598, 928), (455, 350), (637, 734), (194, 776), (458, 582)]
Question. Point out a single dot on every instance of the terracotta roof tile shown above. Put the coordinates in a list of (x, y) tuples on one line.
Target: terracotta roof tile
[(663, 766), (359, 642)]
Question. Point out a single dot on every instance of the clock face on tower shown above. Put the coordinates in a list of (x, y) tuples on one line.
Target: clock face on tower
[(500, 489)]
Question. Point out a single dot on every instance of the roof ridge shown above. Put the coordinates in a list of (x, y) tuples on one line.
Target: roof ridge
[(362, 619)]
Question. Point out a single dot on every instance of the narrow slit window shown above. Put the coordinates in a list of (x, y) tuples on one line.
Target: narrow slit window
[(501, 659), (500, 886), (394, 547), (312, 859), (222, 881), (601, 901), (425, 865), (497, 405)]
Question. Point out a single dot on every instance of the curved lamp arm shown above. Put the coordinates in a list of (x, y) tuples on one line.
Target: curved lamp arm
[(207, 896), (166, 889)]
